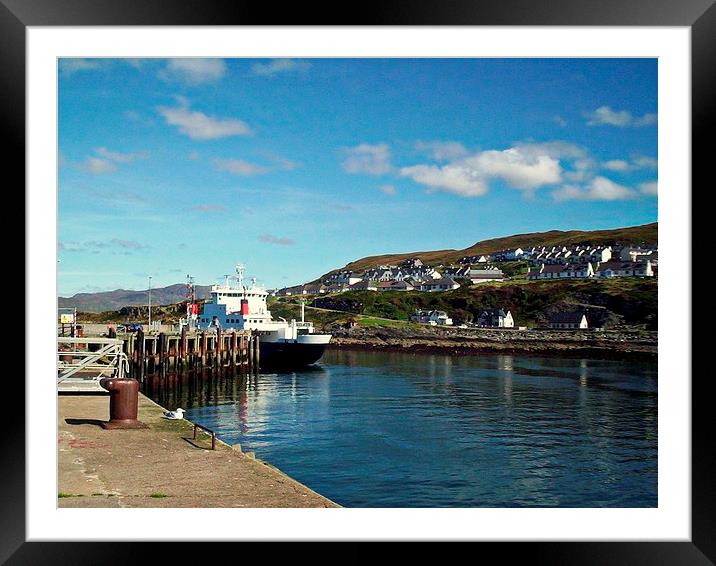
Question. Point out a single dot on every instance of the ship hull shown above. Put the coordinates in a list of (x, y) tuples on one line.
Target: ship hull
[(289, 354)]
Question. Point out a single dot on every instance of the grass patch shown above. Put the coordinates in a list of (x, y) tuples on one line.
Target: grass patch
[(62, 494), (372, 322), (158, 495)]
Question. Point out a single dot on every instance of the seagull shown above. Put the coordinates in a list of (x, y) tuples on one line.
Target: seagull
[(178, 414)]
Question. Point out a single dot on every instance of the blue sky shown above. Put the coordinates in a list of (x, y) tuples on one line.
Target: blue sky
[(296, 167)]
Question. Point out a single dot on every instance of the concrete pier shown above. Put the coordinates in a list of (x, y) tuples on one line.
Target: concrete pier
[(161, 466)]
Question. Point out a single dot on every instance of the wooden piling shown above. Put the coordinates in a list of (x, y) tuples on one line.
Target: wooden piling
[(162, 350), (217, 348), (203, 343), (140, 355), (232, 361)]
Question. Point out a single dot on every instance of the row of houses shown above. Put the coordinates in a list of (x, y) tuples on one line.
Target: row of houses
[(545, 262), (502, 318), (475, 274), (486, 318), (607, 269), (430, 285), (584, 253)]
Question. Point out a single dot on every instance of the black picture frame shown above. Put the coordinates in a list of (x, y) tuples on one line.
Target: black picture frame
[(698, 15)]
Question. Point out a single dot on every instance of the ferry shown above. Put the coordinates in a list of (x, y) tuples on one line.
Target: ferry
[(235, 305)]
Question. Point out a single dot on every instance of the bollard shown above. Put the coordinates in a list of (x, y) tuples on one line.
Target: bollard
[(123, 403)]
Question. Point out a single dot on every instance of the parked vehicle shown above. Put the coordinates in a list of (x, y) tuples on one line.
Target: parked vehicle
[(133, 327)]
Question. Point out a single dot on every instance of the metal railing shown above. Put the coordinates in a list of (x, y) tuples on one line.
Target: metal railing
[(90, 358), (209, 431)]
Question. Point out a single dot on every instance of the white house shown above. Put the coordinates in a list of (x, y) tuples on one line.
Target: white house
[(364, 285), (508, 255), (495, 318), (483, 275), (337, 288), (443, 284), (568, 320), (635, 254), (404, 285), (433, 317), (558, 271), (347, 277), (625, 269)]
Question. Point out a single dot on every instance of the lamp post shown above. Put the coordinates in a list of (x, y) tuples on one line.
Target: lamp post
[(150, 304)]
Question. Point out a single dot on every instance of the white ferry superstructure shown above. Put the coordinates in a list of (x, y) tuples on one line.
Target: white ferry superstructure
[(241, 307)]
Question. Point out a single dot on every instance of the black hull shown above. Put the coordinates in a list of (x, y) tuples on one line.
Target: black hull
[(289, 354)]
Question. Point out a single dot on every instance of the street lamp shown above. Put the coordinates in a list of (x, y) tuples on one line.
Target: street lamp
[(150, 303)]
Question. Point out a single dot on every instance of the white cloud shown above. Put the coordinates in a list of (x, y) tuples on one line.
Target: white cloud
[(526, 166), (649, 188), (192, 71), (118, 157), (199, 126), (605, 116), (644, 162), (442, 150), (637, 162), (279, 161), (280, 66), (561, 122), (646, 120), (450, 178), (239, 167), (599, 188), (97, 165), (106, 160), (520, 167), (616, 165), (72, 65), (388, 189), (123, 247), (368, 159)]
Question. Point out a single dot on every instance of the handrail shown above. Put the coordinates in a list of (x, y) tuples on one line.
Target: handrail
[(213, 434), (108, 360)]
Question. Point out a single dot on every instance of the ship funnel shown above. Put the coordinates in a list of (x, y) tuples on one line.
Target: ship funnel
[(244, 307)]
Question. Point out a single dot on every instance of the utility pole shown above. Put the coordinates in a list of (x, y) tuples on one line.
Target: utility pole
[(150, 304)]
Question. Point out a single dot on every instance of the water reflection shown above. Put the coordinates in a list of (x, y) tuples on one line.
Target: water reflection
[(373, 429)]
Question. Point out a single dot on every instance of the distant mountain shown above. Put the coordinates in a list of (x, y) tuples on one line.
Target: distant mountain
[(634, 235), (113, 300)]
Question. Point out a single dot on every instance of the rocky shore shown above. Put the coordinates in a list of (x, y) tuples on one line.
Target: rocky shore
[(567, 343)]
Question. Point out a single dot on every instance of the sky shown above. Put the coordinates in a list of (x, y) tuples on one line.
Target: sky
[(169, 167)]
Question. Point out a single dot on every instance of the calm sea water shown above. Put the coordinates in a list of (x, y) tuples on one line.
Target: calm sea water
[(370, 429)]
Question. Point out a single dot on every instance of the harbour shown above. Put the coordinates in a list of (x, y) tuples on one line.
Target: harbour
[(405, 420), (165, 464), (385, 429)]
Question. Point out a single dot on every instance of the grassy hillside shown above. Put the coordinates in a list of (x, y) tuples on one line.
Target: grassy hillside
[(644, 234), (609, 303)]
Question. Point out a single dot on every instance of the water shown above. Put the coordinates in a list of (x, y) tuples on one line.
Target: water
[(370, 429)]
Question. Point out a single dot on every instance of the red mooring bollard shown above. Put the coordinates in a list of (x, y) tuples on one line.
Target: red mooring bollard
[(123, 403)]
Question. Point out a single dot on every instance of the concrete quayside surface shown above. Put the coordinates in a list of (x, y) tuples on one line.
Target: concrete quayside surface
[(160, 466)]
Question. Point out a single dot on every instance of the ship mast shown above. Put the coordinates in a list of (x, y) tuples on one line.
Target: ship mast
[(240, 274)]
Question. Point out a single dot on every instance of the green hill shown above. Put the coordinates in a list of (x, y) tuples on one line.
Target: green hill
[(608, 302)]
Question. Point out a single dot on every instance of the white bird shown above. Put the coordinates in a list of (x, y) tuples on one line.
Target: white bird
[(178, 414)]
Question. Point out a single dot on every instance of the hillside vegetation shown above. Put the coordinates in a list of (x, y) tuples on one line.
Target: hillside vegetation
[(608, 303)]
